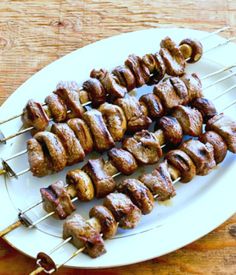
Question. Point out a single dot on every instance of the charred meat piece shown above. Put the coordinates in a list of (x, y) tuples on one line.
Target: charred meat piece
[(136, 119), (106, 219), (172, 57), (139, 194), (205, 107), (83, 234), (144, 147), (125, 77), (194, 86), (103, 183), (191, 49), (153, 105), (183, 163), (53, 149), (82, 132), (96, 91), (139, 69), (226, 128), (123, 161), (201, 154), (82, 184), (72, 102), (114, 119), (159, 182), (124, 211), (38, 161), (34, 116), (172, 129), (101, 136), (56, 199), (190, 120), (74, 150), (220, 147), (57, 107), (156, 67)]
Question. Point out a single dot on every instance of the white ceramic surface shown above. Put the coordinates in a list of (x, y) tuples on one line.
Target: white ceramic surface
[(198, 207)]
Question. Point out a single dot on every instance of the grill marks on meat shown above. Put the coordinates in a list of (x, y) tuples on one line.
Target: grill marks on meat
[(53, 149), (220, 147), (190, 120), (205, 107), (74, 150), (183, 163), (136, 119), (201, 154), (159, 182), (106, 219), (83, 234), (96, 91), (144, 147), (114, 119), (35, 116), (103, 183), (153, 105), (57, 107), (101, 136), (172, 129), (226, 128), (124, 211), (56, 199), (123, 161), (139, 194)]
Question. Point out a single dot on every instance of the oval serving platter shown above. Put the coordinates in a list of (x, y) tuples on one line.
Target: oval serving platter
[(199, 206)]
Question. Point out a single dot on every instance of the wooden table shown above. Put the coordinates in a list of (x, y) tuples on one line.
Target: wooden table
[(35, 33)]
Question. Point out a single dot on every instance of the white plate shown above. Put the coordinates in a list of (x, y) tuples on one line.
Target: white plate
[(198, 207)]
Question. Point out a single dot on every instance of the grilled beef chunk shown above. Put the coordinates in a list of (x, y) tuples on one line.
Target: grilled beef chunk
[(183, 163), (83, 234), (125, 77), (220, 147), (136, 119), (35, 116), (201, 154), (56, 199), (72, 102), (153, 105), (106, 219), (159, 182), (124, 211), (57, 107), (139, 69), (190, 120), (82, 184), (103, 183), (226, 128), (53, 149), (38, 161), (82, 132), (195, 49), (139, 194), (144, 147), (114, 119), (156, 67), (172, 129), (205, 107), (194, 86), (172, 57), (123, 161), (74, 150), (96, 91), (101, 137)]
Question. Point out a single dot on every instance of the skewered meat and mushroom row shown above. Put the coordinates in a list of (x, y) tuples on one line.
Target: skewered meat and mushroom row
[(101, 128), (108, 86)]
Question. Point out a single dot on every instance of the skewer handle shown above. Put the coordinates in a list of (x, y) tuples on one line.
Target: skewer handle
[(10, 228), (37, 270)]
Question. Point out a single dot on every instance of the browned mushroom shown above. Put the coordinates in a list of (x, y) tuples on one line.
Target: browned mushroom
[(191, 49)]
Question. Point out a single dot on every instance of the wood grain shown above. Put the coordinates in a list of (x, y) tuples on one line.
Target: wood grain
[(35, 33)]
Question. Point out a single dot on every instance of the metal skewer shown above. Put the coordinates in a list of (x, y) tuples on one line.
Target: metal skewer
[(3, 140)]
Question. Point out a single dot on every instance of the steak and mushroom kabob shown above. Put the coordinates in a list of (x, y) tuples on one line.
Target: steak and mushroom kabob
[(68, 143)]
